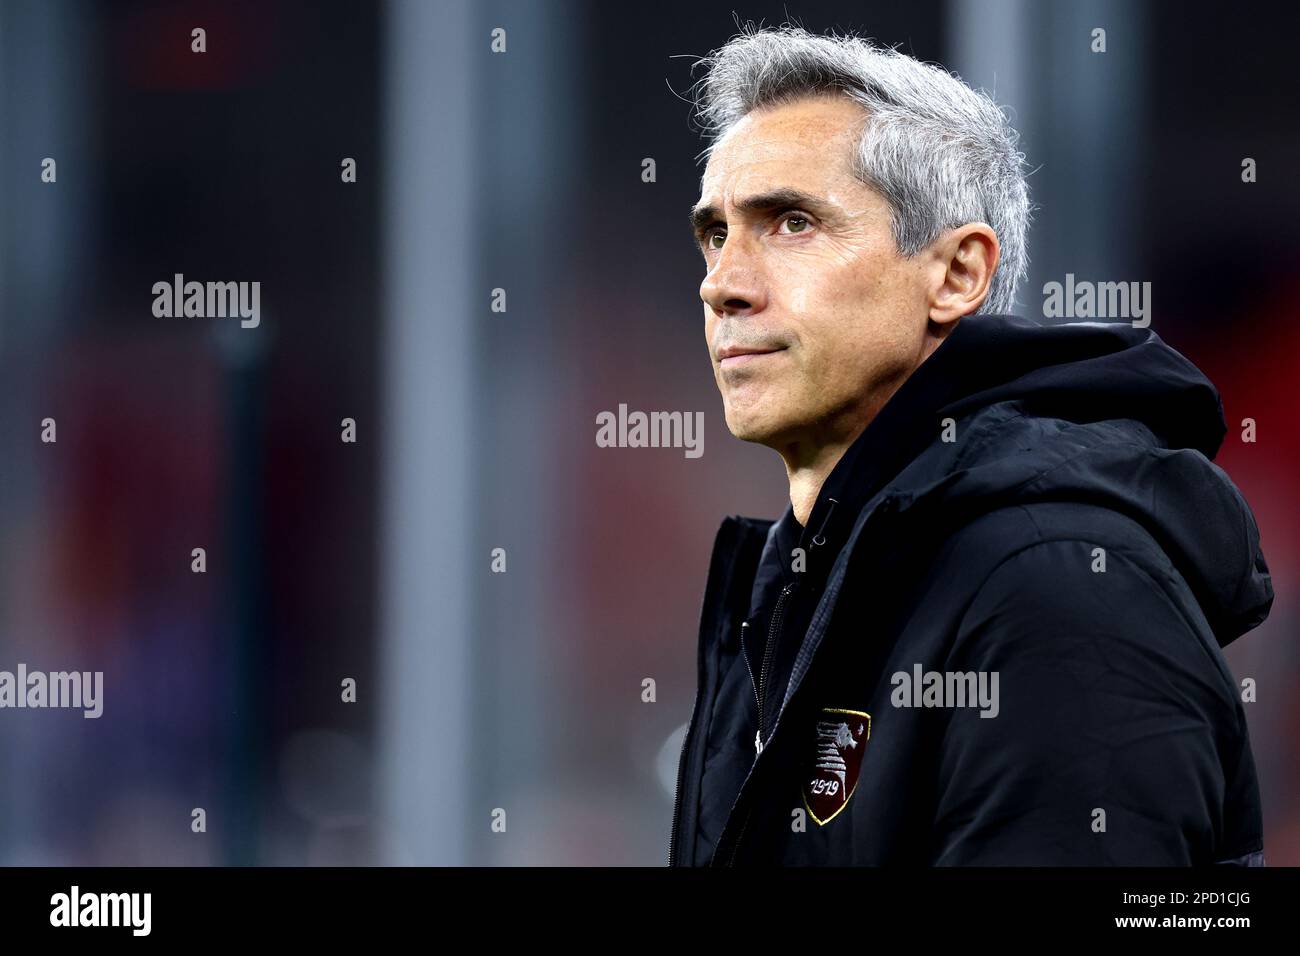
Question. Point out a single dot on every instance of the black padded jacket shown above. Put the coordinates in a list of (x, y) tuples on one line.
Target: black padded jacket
[(1012, 648)]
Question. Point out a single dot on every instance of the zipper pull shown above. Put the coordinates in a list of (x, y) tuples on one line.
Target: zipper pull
[(758, 742), (820, 537)]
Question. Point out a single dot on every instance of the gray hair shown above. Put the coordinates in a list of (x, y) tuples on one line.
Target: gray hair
[(940, 153)]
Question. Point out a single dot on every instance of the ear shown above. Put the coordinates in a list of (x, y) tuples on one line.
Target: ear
[(965, 258)]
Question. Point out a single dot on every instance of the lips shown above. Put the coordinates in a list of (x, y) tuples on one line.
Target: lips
[(740, 354)]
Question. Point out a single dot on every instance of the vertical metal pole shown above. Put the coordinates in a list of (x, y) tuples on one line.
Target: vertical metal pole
[(426, 555)]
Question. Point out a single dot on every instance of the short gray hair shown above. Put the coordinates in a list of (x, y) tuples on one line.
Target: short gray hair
[(940, 153)]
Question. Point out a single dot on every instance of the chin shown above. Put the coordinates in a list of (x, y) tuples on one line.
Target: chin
[(754, 426)]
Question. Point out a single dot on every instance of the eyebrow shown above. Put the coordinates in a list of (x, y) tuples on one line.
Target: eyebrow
[(702, 217)]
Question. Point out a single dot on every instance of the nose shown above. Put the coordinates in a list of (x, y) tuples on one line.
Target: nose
[(735, 284)]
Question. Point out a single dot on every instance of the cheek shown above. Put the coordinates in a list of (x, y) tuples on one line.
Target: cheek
[(839, 283), (838, 312), (857, 327)]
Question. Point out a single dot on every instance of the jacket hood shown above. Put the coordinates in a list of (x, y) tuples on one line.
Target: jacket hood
[(1092, 412)]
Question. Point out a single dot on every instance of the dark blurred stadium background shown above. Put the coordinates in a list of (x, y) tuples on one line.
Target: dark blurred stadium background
[(477, 171)]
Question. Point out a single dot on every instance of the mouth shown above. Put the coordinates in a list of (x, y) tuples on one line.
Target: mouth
[(735, 356)]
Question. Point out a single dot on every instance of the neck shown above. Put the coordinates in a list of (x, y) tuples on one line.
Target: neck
[(809, 463), (810, 460), (806, 481)]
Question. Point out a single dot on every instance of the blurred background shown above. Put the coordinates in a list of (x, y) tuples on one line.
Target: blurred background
[(372, 560)]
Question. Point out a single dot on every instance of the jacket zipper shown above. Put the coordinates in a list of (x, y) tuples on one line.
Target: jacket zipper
[(773, 629), (759, 686), (744, 650)]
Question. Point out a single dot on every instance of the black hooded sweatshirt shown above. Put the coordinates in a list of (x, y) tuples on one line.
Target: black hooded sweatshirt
[(998, 639)]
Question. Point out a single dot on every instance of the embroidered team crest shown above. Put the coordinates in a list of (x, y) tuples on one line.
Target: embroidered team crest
[(841, 739)]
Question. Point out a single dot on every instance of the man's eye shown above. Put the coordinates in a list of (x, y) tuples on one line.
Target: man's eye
[(709, 239), (795, 220)]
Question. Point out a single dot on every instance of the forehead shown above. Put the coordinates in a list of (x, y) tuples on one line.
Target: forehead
[(804, 144)]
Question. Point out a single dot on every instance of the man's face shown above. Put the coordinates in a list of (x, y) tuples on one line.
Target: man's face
[(812, 316)]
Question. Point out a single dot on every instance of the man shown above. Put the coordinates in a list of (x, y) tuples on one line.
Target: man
[(988, 628)]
